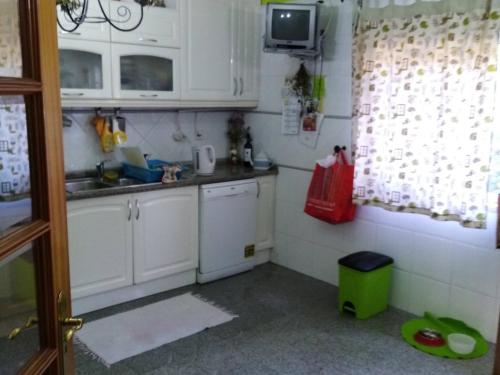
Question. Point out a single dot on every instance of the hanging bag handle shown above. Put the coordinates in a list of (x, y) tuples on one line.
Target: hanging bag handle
[(339, 151)]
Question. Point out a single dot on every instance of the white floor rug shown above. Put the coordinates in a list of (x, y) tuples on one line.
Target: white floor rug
[(124, 335)]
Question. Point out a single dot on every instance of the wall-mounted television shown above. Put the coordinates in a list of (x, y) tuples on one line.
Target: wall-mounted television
[(291, 27)]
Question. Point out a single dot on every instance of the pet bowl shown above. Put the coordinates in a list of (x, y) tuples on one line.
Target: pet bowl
[(461, 344)]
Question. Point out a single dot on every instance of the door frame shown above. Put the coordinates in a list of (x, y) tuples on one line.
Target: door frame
[(47, 231)]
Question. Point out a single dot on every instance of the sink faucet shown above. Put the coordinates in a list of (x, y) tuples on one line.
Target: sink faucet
[(100, 168)]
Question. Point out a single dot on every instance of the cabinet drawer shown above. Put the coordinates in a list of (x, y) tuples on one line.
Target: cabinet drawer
[(159, 27)]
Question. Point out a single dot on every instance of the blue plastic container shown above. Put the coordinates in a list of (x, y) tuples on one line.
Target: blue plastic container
[(153, 174)]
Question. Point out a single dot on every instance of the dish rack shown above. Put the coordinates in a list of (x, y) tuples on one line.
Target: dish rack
[(153, 173)]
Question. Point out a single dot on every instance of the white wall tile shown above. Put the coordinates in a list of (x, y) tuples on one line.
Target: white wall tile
[(475, 269), (301, 256), (152, 131), (397, 244), (400, 289), (330, 235), (281, 215), (325, 266), (431, 257), (280, 254), (359, 235), (476, 310), (428, 295), (305, 226)]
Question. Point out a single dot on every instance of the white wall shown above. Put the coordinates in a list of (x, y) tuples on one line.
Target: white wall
[(439, 266), (152, 131)]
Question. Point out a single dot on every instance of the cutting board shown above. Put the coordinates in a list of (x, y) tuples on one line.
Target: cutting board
[(134, 156)]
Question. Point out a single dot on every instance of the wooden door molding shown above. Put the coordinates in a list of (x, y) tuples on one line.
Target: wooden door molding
[(47, 231)]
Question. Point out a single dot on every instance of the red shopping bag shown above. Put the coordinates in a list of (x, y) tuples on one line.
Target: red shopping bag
[(329, 197)]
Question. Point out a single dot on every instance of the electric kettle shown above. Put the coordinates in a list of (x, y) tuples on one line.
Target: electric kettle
[(204, 160)]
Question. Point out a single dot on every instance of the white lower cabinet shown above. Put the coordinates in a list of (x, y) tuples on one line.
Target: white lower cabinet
[(265, 212), (165, 233), (100, 245), (119, 241)]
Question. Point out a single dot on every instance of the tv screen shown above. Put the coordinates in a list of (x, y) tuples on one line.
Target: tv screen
[(290, 24)]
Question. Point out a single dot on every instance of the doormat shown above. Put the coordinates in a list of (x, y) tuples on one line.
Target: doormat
[(127, 334)]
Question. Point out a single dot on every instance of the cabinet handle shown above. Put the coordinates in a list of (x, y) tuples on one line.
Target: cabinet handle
[(235, 81), (71, 94), (129, 210), (149, 96), (68, 33), (258, 188), (138, 214), (241, 83), (151, 40)]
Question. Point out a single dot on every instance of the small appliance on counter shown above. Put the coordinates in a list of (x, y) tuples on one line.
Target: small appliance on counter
[(204, 160), (262, 162)]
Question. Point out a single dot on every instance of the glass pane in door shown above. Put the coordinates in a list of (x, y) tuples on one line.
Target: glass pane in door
[(17, 310), (146, 73), (10, 42), (80, 70), (15, 194)]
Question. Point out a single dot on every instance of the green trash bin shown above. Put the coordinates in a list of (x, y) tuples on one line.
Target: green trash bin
[(364, 283)]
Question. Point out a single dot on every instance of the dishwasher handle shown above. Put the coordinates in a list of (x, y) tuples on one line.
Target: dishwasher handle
[(229, 192)]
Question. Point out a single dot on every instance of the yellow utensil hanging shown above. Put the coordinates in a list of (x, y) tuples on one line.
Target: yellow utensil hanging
[(107, 144)]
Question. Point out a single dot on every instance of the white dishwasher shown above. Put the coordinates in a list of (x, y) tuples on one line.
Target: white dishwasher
[(228, 216)]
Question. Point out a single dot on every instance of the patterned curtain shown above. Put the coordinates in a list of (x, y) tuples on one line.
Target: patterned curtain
[(424, 95)]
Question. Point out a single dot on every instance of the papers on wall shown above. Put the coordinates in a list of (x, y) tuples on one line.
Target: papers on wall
[(311, 128), (291, 109)]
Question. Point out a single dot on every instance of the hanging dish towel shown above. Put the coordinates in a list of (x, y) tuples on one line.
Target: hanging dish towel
[(329, 197), (102, 127)]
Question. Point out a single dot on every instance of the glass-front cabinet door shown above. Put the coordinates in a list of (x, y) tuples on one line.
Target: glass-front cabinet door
[(145, 73), (85, 69)]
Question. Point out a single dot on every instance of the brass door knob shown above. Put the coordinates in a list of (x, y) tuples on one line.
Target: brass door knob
[(75, 324), (30, 322)]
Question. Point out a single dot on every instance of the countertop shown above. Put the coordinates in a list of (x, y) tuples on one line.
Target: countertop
[(224, 172)]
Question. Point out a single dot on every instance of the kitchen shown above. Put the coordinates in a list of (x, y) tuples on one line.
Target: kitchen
[(191, 72)]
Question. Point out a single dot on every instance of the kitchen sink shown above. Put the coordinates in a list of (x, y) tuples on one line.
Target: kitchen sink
[(125, 181), (86, 184), (89, 184)]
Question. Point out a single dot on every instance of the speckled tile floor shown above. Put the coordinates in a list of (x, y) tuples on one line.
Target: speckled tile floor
[(288, 324)]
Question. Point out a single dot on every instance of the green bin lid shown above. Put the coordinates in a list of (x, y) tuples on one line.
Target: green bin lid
[(366, 261)]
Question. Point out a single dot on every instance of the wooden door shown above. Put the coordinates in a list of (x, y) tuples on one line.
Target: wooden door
[(33, 240)]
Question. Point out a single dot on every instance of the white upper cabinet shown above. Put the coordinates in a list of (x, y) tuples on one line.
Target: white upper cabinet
[(209, 70), (85, 69), (220, 49), (247, 48), (88, 30), (145, 73), (160, 26)]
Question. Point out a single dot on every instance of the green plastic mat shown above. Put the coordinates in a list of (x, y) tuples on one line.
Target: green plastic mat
[(411, 327)]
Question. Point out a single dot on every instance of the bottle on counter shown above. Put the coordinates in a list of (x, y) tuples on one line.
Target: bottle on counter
[(248, 150)]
